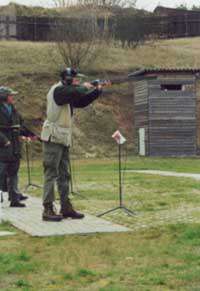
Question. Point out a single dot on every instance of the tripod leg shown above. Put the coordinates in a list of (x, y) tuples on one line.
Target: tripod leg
[(36, 186), (108, 211), (128, 211), (72, 182), (1, 196), (28, 164), (70, 172), (29, 183)]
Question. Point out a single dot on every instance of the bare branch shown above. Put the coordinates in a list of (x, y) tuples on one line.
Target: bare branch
[(78, 39)]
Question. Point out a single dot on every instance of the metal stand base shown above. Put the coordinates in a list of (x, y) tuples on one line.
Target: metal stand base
[(128, 211), (121, 206), (30, 184), (1, 193), (72, 192), (76, 194)]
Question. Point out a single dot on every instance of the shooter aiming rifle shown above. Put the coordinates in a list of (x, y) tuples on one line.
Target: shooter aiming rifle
[(106, 83)]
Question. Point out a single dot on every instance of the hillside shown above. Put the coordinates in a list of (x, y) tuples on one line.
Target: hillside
[(72, 11), (32, 68)]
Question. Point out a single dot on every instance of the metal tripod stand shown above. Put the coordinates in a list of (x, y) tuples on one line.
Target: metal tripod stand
[(29, 184), (71, 182), (121, 205)]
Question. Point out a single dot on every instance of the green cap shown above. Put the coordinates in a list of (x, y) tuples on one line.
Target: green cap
[(6, 91)]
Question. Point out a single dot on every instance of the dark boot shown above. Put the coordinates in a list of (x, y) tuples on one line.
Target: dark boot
[(17, 204), (22, 196), (49, 214), (67, 210)]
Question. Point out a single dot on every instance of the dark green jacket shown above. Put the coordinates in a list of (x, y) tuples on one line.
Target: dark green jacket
[(9, 131)]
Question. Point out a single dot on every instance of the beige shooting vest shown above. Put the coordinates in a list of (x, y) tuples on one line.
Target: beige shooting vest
[(57, 127)]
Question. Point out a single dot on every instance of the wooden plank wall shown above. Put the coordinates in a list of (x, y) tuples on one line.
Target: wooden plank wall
[(141, 111), (172, 118), (198, 113)]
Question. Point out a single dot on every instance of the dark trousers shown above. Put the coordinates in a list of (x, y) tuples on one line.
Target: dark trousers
[(56, 170), (9, 170), (16, 180)]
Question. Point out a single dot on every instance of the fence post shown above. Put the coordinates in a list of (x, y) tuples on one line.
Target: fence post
[(7, 32), (186, 24), (35, 28)]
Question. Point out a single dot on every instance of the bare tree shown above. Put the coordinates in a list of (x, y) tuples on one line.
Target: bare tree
[(62, 3), (95, 3), (78, 40), (108, 3), (182, 6)]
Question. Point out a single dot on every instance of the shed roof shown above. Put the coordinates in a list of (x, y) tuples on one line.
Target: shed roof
[(168, 11), (148, 71)]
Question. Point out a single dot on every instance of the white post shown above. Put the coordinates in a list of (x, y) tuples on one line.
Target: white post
[(142, 150), (1, 216)]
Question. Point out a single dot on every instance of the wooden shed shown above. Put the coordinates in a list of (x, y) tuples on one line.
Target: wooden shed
[(166, 11), (167, 112)]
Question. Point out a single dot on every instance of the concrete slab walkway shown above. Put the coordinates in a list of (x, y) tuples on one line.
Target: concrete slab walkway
[(29, 220), (6, 233), (166, 173)]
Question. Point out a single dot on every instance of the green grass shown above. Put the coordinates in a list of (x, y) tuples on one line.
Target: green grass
[(164, 255), (141, 261), (98, 180)]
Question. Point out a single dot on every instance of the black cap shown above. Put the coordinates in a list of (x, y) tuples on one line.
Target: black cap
[(69, 73)]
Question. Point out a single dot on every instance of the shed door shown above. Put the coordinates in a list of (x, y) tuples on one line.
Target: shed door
[(142, 141), (172, 121)]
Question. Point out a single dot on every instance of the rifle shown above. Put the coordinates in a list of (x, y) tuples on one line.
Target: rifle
[(133, 76), (23, 130)]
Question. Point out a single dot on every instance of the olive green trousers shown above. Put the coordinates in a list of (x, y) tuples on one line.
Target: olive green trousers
[(56, 171)]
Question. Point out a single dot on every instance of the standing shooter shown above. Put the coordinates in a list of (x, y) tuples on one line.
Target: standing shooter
[(10, 148), (62, 98)]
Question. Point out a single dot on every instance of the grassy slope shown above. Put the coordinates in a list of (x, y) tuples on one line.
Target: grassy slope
[(32, 68)]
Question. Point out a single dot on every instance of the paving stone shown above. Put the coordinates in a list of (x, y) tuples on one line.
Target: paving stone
[(29, 220), (6, 233)]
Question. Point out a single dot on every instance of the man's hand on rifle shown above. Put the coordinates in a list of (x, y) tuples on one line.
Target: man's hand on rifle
[(7, 144), (28, 138), (88, 85), (101, 83)]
